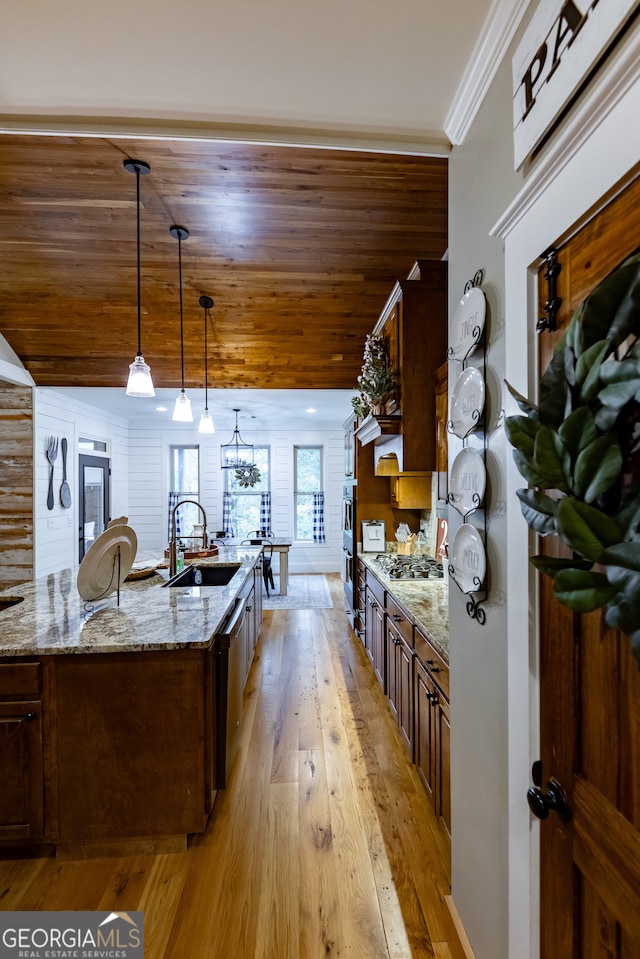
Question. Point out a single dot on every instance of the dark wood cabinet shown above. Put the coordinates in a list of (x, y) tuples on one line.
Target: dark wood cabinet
[(360, 613), (432, 726), (22, 736), (442, 441), (375, 627), (399, 643)]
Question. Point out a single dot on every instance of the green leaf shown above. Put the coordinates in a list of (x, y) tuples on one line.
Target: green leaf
[(597, 468), (612, 308), (606, 418), (538, 510), (619, 371), (623, 554), (551, 460), (551, 565), (521, 432), (588, 369), (525, 405), (616, 395), (554, 391), (585, 529), (528, 470), (628, 515), (624, 614), (582, 590), (578, 430)]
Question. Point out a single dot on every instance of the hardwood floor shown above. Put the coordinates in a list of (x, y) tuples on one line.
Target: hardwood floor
[(323, 845)]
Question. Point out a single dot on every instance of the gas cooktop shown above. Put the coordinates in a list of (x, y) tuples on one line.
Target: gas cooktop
[(409, 567)]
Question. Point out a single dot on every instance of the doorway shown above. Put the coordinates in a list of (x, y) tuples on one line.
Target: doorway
[(93, 475)]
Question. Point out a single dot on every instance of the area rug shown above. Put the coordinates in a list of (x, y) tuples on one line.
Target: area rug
[(303, 592)]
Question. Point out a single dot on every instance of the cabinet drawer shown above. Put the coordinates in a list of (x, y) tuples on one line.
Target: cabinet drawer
[(20, 679), (432, 661), (376, 588), (399, 619)]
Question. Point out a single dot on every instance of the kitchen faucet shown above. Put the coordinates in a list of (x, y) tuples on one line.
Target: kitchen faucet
[(173, 552)]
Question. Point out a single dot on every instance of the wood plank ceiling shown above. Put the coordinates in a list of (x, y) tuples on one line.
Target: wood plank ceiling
[(299, 249)]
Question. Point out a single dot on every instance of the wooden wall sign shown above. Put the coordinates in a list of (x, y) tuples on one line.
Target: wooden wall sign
[(562, 44)]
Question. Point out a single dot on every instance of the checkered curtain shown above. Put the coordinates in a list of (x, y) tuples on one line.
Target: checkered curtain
[(228, 514), (174, 499), (265, 513), (318, 518)]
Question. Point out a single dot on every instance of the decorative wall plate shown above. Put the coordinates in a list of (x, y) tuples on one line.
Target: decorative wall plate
[(468, 324), (468, 559), (467, 402), (107, 562), (468, 481)]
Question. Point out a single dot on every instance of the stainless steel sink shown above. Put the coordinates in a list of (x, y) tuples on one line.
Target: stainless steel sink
[(194, 575)]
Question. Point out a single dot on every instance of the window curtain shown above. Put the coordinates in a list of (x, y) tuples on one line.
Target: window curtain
[(228, 517), (265, 513), (318, 518), (174, 499)]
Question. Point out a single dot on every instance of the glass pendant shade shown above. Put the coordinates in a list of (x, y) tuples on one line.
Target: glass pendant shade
[(182, 410), (206, 423), (236, 454), (140, 383)]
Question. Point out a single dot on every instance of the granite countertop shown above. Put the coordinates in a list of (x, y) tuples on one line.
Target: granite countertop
[(426, 601), (54, 619)]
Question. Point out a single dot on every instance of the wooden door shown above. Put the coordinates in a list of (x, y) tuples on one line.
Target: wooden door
[(589, 700)]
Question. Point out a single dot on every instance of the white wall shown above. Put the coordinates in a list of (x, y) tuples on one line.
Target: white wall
[(149, 489), (56, 530), (139, 455)]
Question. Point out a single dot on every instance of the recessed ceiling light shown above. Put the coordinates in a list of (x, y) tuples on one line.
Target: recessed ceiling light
[(310, 410), (161, 409)]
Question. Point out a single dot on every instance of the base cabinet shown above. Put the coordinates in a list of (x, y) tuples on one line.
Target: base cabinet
[(374, 630), (432, 741), (23, 740), (399, 643)]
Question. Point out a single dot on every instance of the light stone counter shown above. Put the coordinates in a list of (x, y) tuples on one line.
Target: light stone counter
[(426, 601), (53, 618)]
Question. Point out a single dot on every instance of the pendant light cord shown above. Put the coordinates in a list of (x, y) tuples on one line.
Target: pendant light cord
[(180, 273), (138, 245), (206, 365)]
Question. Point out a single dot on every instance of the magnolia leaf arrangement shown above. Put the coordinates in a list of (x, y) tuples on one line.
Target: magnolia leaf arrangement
[(377, 380), (247, 476), (579, 450)]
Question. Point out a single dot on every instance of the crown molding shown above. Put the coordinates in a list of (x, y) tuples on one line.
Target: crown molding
[(491, 46)]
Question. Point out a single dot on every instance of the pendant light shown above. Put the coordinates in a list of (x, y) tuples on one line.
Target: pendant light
[(139, 382), (206, 420), (182, 410), (236, 454)]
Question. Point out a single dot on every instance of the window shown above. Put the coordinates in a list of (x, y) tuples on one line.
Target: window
[(307, 485), (249, 508), (184, 483)]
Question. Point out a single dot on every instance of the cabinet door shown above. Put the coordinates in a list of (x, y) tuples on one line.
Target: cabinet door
[(425, 729), (21, 778), (393, 642), (404, 687), (444, 766), (442, 415), (377, 642)]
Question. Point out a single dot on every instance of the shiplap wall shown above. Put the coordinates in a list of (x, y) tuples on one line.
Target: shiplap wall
[(56, 530), (16, 484), (149, 486)]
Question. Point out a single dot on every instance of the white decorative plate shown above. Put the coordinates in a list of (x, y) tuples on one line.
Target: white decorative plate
[(468, 324), (467, 402), (468, 480), (468, 559), (107, 562)]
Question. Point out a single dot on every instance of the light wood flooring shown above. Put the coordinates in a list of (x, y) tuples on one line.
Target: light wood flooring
[(323, 845)]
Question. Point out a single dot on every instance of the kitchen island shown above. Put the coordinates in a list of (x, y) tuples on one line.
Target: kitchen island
[(110, 714)]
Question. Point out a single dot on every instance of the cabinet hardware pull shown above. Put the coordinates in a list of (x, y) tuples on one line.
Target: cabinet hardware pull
[(432, 666), (397, 618), (30, 717)]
